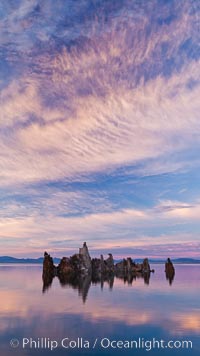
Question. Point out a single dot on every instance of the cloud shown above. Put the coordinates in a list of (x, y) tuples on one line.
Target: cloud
[(59, 121), (136, 232), (88, 94), (80, 144), (182, 210)]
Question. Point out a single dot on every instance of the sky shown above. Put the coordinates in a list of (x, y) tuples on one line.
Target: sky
[(100, 127)]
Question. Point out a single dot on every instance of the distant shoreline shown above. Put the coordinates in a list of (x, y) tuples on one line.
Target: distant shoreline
[(39, 261)]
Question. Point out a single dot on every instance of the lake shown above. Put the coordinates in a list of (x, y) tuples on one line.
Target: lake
[(108, 318)]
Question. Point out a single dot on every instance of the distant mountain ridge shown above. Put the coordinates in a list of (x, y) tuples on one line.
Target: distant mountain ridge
[(9, 259), (186, 260), (175, 260)]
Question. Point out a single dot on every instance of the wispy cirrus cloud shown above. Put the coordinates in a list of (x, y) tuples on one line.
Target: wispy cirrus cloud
[(59, 147), (61, 118), (97, 93)]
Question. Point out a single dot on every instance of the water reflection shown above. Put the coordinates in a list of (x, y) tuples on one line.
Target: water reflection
[(119, 307), (47, 281), (170, 276), (169, 271), (82, 283)]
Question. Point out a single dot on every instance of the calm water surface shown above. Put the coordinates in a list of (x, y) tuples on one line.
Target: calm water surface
[(114, 310)]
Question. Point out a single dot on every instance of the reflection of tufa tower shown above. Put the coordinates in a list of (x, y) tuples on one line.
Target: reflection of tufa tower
[(169, 271), (84, 253)]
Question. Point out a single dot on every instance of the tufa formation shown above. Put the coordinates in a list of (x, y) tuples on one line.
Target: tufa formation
[(80, 271), (82, 264)]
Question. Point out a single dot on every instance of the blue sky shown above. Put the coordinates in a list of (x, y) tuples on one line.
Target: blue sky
[(100, 127)]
